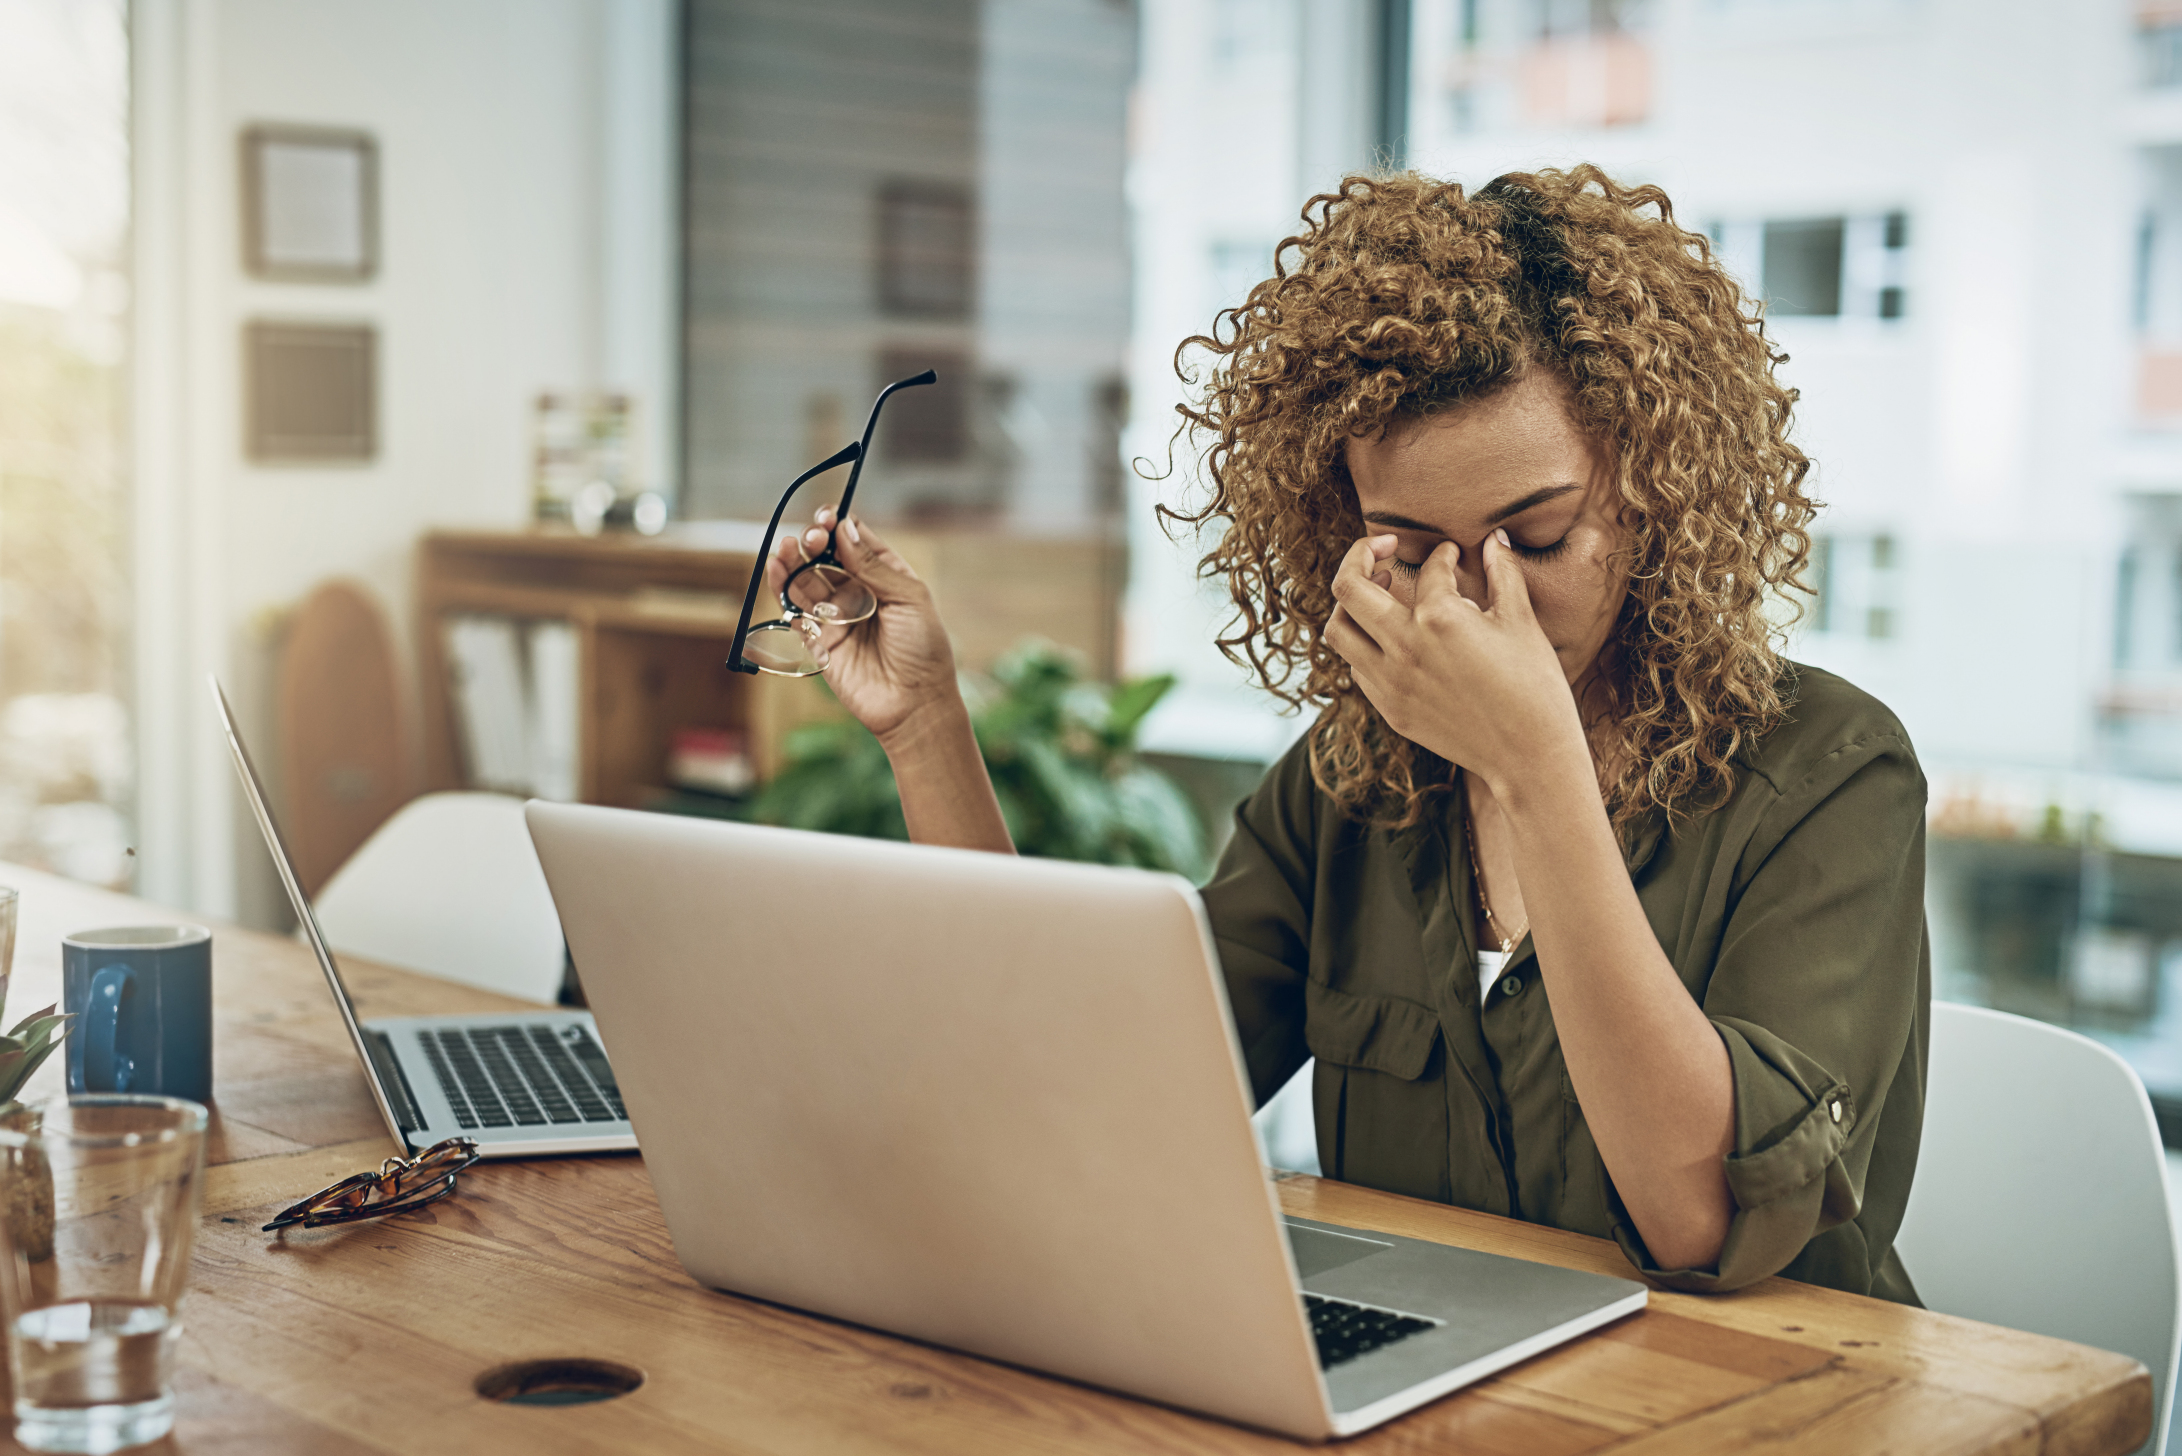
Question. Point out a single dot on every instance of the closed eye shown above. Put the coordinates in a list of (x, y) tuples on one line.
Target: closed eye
[(1528, 553), (1539, 553)]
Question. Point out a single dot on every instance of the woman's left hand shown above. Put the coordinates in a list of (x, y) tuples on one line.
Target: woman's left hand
[(1478, 685)]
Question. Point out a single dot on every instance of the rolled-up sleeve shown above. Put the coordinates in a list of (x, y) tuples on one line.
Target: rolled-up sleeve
[(1819, 992)]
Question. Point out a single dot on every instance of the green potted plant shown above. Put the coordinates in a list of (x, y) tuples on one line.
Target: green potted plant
[(1062, 754), (26, 1187)]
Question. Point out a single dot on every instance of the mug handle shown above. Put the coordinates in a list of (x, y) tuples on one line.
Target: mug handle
[(104, 1068)]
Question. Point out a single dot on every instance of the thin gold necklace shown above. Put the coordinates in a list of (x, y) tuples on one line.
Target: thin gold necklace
[(1477, 879)]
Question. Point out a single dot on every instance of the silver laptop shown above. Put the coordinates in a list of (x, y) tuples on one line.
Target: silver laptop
[(521, 1083), (997, 1104)]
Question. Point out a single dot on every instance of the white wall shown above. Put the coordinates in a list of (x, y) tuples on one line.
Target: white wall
[(1242, 112), (527, 242)]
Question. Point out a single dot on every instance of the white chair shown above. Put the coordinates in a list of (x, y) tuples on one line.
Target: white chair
[(450, 886), (2041, 1193)]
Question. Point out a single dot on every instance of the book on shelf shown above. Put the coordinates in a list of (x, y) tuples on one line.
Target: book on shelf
[(516, 690)]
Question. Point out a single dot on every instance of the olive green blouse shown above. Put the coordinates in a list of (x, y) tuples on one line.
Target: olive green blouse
[(1794, 914)]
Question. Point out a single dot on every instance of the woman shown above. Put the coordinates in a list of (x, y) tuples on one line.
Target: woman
[(1594, 910)]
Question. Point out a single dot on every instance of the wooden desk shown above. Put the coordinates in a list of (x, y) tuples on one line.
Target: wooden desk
[(368, 1338)]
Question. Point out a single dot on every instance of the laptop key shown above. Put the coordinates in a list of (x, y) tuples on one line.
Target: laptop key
[(1343, 1330), (588, 1104), (494, 1058), (587, 1051), (543, 1084), (476, 1085), (444, 1075)]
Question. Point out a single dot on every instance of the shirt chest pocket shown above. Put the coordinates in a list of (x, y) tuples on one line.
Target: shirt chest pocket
[(1382, 1033), (1380, 1105)]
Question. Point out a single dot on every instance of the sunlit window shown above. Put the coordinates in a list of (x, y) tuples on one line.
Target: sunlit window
[(65, 742)]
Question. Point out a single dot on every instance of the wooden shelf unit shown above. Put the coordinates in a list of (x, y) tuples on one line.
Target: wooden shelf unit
[(654, 618)]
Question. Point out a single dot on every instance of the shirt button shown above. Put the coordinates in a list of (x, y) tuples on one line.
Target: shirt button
[(1833, 1109), (1511, 985)]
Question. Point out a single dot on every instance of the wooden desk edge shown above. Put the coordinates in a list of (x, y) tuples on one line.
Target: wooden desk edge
[(2088, 1400)]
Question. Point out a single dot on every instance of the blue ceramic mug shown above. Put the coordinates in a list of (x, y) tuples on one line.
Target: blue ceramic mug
[(142, 998)]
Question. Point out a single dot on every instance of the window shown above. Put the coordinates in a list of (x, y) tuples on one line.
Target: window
[(2159, 42), (1855, 580), (927, 249), (1847, 267), (1492, 65), (1802, 268), (2148, 588), (66, 745)]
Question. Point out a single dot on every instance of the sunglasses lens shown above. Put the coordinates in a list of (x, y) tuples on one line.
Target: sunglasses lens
[(785, 649), (831, 595)]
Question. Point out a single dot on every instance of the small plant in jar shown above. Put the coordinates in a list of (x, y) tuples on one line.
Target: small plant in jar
[(26, 1182)]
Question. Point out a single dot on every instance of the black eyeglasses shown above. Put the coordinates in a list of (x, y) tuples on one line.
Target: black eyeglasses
[(820, 593)]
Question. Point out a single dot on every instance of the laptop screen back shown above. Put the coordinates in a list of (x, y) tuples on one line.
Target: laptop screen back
[(254, 789)]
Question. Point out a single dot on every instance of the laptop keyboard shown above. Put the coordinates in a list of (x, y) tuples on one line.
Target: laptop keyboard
[(522, 1076), (1344, 1330)]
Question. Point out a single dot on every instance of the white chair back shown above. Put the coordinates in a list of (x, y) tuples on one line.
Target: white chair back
[(450, 886), (2040, 1200)]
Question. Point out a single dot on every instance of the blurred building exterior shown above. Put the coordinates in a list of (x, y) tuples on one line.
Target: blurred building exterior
[(1966, 219)]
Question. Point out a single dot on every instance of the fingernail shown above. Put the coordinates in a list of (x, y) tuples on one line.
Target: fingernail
[(849, 525), (1501, 536)]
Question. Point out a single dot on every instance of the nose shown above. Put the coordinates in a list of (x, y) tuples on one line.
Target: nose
[(1470, 572)]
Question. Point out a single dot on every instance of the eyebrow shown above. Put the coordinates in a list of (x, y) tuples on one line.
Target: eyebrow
[(1513, 508)]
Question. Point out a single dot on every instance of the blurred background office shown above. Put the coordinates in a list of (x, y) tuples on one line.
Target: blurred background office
[(457, 302)]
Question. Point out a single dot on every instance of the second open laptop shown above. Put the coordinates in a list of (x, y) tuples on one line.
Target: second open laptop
[(520, 1084), (997, 1104)]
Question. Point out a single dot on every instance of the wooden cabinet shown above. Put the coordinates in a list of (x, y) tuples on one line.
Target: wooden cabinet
[(654, 617)]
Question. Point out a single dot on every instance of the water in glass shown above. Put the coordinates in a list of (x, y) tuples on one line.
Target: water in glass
[(98, 1205)]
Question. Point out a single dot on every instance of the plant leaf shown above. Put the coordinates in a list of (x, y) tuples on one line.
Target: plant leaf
[(13, 1078), (46, 1011), (35, 1033), (1131, 701)]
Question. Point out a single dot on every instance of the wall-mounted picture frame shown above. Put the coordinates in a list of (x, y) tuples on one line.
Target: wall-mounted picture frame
[(927, 249), (310, 204), (310, 392)]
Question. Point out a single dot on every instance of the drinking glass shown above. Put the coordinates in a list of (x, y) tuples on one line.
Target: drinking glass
[(98, 1210), (10, 899)]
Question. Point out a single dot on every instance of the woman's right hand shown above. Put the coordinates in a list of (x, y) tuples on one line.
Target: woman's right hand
[(889, 669)]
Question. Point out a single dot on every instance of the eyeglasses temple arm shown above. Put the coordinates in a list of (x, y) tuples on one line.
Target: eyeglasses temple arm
[(840, 457), (848, 492)]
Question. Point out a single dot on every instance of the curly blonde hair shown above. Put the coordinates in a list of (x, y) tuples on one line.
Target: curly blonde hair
[(1403, 296)]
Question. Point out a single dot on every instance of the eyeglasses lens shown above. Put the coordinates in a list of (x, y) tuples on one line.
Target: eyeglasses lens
[(831, 595), (786, 649)]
